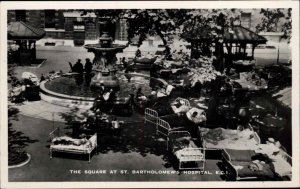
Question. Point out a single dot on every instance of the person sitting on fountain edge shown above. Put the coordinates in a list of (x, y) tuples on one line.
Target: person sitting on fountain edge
[(112, 95), (88, 66), (111, 98), (102, 88), (98, 102)]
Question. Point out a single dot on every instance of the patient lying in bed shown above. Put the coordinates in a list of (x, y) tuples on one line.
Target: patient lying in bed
[(196, 115), (221, 138), (281, 165), (65, 140), (178, 107)]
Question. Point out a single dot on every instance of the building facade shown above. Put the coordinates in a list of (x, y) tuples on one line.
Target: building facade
[(67, 24)]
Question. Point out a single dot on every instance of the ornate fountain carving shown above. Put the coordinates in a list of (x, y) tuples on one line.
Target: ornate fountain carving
[(105, 60)]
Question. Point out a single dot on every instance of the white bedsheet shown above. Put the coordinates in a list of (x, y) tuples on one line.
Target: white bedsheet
[(189, 154), (81, 148), (86, 147), (281, 166), (231, 139)]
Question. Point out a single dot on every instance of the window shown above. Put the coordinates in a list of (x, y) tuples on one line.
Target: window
[(49, 18), (123, 30), (78, 25), (20, 15), (79, 19), (246, 20)]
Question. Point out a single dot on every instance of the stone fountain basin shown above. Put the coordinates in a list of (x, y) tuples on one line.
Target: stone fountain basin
[(86, 100), (114, 47), (108, 81)]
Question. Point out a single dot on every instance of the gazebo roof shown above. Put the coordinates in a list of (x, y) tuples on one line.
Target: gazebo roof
[(239, 35), (22, 30)]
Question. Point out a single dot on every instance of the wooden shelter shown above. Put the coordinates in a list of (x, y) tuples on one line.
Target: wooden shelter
[(25, 37), (236, 40)]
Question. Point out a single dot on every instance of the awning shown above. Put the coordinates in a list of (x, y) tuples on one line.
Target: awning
[(22, 30), (239, 34)]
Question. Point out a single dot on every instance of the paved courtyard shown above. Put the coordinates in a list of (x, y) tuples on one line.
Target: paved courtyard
[(136, 148)]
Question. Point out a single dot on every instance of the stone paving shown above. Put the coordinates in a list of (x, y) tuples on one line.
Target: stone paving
[(44, 110), (136, 149)]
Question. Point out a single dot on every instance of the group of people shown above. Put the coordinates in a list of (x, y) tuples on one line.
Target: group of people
[(104, 95), (79, 68)]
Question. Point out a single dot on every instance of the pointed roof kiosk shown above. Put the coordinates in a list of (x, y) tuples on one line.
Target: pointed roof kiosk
[(25, 37)]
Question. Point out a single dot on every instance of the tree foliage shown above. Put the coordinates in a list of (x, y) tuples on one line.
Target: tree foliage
[(188, 24), (74, 119), (142, 23), (208, 26), (271, 19)]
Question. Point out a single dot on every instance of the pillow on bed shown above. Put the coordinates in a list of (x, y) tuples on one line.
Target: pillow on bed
[(80, 141), (77, 142)]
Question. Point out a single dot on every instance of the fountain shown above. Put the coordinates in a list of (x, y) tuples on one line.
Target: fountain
[(104, 62), (72, 89)]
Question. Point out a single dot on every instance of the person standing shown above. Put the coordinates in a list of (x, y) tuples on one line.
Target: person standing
[(88, 66), (78, 67)]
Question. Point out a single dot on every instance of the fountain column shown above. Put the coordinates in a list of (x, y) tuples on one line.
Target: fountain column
[(104, 61)]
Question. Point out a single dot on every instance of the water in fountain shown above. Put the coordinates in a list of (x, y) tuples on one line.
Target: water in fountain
[(79, 86)]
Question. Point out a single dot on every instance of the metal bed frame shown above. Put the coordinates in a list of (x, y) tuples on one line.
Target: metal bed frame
[(164, 128), (231, 170), (230, 167), (56, 133), (188, 156), (152, 116)]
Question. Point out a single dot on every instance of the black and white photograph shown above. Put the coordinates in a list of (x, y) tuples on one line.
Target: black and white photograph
[(197, 94)]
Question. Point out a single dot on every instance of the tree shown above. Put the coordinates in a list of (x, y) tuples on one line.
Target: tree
[(270, 20), (73, 120), (206, 29), (189, 24), (142, 23), (164, 23), (272, 17)]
